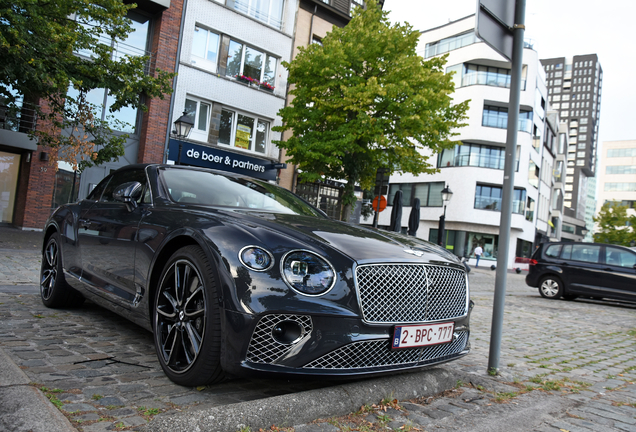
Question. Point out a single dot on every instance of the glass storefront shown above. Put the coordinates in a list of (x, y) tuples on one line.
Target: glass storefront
[(9, 169)]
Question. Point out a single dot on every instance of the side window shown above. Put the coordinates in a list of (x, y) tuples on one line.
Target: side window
[(96, 193), (120, 178), (619, 257), (567, 252), (586, 252), (553, 251)]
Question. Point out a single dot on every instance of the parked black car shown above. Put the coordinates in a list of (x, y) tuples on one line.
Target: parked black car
[(234, 274), (570, 270)]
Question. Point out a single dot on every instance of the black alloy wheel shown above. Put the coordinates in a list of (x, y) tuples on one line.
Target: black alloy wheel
[(551, 287), (187, 320), (54, 290)]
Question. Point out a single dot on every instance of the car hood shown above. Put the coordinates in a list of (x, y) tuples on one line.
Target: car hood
[(359, 243)]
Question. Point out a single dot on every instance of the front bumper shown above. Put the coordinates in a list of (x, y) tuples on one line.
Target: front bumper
[(329, 346)]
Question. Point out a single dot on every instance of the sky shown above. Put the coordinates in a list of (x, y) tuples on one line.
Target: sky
[(562, 28)]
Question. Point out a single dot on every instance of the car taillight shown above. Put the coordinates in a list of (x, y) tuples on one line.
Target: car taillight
[(532, 262)]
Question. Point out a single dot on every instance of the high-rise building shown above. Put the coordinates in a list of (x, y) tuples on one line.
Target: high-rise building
[(574, 90)]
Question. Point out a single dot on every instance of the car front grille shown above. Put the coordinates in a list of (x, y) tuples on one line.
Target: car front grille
[(378, 354), (264, 348), (410, 293)]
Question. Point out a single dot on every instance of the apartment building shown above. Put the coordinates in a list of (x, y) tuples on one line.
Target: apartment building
[(230, 84), (617, 175), (473, 169), (575, 90)]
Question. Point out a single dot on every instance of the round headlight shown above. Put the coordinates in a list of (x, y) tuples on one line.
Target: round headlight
[(307, 273), (256, 258)]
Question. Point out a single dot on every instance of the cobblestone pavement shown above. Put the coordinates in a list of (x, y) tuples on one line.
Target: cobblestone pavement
[(568, 365)]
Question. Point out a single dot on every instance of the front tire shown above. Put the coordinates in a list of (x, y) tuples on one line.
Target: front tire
[(54, 290), (551, 288), (187, 320)]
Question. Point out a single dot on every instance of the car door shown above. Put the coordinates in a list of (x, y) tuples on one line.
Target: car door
[(582, 268), (107, 234), (620, 273)]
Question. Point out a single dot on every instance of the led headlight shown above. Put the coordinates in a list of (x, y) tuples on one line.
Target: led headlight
[(307, 273), (256, 258)]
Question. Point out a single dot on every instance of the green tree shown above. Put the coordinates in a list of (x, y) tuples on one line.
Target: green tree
[(364, 100), (39, 46), (616, 227)]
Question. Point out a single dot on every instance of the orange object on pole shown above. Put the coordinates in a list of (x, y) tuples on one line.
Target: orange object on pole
[(382, 203)]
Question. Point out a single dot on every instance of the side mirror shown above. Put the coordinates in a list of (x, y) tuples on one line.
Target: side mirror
[(128, 193)]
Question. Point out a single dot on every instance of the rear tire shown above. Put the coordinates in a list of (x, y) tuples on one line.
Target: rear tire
[(54, 290), (187, 320), (551, 287)]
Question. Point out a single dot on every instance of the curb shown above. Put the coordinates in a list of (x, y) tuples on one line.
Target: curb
[(24, 407), (305, 407)]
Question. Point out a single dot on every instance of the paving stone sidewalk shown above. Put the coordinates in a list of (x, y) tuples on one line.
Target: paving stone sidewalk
[(565, 366)]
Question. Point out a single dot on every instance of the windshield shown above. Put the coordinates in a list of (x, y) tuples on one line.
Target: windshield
[(207, 188)]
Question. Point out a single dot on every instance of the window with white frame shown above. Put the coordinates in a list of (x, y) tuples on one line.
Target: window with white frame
[(246, 61), (205, 48), (244, 131), (268, 11), (199, 112)]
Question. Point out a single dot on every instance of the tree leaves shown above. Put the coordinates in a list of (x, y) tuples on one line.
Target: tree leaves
[(365, 100), (615, 226), (40, 43)]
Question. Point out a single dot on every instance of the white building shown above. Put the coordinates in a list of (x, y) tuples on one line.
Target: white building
[(474, 170), (231, 83), (617, 175)]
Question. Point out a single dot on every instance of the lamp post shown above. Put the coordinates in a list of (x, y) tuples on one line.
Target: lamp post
[(447, 194), (584, 232), (182, 126)]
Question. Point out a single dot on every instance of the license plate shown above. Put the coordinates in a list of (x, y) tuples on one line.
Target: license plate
[(422, 335)]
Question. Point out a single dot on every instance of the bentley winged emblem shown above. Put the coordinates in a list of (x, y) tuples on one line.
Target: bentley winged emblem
[(414, 252)]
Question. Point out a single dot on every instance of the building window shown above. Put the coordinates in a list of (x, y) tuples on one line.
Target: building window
[(450, 44), (205, 48), (245, 61), (567, 228), (430, 194), (270, 11), (472, 74), (489, 198), (498, 117), (199, 112), (477, 155), (621, 169), (123, 120), (533, 174), (244, 131), (530, 210), (620, 187), (623, 152)]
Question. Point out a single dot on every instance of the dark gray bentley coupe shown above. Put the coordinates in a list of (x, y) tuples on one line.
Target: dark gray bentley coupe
[(236, 275)]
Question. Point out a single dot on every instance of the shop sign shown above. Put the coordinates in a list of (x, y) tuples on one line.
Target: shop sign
[(213, 157)]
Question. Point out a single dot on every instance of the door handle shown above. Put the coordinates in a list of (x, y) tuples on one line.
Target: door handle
[(83, 223)]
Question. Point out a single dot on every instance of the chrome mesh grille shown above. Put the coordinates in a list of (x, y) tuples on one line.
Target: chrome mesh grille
[(378, 354), (409, 293), (263, 347)]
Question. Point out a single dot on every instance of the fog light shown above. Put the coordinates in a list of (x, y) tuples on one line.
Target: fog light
[(287, 332)]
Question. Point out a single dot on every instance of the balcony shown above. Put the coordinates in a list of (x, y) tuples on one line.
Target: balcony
[(19, 117)]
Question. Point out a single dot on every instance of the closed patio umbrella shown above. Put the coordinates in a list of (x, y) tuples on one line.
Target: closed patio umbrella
[(396, 213), (414, 217)]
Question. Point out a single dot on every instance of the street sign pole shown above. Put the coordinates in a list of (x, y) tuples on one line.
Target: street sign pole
[(508, 188)]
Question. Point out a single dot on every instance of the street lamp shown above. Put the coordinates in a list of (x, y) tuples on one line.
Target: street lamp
[(182, 126), (447, 194), (584, 232)]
